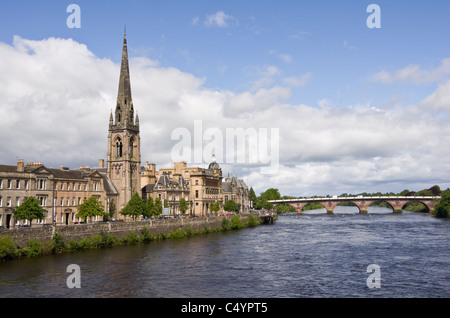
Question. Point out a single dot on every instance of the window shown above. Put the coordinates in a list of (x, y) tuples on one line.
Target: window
[(73, 201), (62, 201), (196, 182), (119, 148), (68, 186), (17, 184), (42, 200), (1, 183), (8, 201), (26, 184), (68, 201), (9, 184), (1, 202), (196, 193), (41, 184), (17, 201), (79, 200)]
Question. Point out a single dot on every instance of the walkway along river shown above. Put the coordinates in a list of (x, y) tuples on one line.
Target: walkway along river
[(308, 255)]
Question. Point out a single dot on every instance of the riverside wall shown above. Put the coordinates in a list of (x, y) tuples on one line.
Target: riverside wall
[(119, 229)]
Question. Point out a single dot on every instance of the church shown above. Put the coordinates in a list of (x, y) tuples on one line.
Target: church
[(61, 191)]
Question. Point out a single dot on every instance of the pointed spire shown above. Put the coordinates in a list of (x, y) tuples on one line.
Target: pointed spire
[(124, 108)]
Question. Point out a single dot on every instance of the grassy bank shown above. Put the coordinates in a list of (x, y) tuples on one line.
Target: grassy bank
[(9, 250)]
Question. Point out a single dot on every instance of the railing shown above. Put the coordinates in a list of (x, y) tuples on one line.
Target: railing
[(389, 197)]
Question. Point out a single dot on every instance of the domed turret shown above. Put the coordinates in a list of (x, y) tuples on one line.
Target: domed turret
[(214, 165)]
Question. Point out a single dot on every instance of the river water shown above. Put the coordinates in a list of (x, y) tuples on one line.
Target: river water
[(310, 255)]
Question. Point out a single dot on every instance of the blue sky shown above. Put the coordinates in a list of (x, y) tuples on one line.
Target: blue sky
[(320, 52), (330, 39)]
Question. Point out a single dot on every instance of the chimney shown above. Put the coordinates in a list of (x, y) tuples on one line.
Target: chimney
[(20, 166), (101, 163)]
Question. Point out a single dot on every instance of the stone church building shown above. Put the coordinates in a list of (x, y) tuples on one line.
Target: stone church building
[(61, 191)]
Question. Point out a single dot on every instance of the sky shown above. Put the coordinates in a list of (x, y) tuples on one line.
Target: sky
[(329, 103)]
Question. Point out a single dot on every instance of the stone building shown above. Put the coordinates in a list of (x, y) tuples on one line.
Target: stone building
[(200, 187), (235, 189), (60, 191)]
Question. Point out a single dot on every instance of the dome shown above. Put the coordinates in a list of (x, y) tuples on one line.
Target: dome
[(214, 165)]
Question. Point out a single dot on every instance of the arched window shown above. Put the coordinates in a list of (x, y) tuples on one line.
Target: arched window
[(118, 148), (131, 147)]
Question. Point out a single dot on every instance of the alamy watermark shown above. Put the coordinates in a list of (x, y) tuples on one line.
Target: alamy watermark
[(255, 146), (374, 279), (74, 19), (374, 20), (74, 279)]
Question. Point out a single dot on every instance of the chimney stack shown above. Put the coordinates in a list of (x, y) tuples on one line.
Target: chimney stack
[(20, 165), (101, 163)]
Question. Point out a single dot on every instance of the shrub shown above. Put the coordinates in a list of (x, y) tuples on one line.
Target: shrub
[(252, 221), (34, 248), (225, 223), (131, 238), (236, 222), (58, 245), (7, 248)]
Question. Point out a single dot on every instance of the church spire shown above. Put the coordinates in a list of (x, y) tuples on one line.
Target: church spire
[(124, 108)]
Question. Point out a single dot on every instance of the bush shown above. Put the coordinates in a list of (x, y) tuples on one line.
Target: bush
[(34, 248), (225, 223), (131, 238), (236, 222), (7, 248), (252, 221), (58, 245), (398, 211)]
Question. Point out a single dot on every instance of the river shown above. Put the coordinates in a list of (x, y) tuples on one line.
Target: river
[(312, 255)]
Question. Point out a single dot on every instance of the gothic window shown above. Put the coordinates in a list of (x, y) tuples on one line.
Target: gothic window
[(131, 147), (118, 148)]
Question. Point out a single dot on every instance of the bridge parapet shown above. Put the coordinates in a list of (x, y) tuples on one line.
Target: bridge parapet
[(362, 202)]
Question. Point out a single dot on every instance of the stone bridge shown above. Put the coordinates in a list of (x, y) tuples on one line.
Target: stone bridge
[(329, 203)]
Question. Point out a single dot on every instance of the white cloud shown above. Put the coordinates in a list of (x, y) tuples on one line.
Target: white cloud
[(57, 96), (414, 74), (285, 57), (220, 19), (298, 81)]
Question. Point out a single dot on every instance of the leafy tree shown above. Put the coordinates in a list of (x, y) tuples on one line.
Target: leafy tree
[(252, 195), (30, 209), (135, 207), (442, 209), (183, 205), (112, 209), (158, 206), (151, 206), (271, 194), (90, 207), (215, 207), (231, 206)]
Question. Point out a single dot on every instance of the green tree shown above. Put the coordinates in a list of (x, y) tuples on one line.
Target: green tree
[(30, 209), (135, 207), (270, 194), (252, 195), (442, 209), (90, 207), (158, 206), (215, 206), (183, 205), (112, 209), (231, 206), (151, 206)]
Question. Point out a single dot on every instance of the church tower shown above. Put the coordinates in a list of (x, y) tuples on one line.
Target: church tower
[(124, 149)]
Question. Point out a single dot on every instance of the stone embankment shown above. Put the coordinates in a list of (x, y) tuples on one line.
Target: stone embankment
[(119, 229)]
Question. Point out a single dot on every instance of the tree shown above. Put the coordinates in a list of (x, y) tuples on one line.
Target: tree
[(231, 206), (271, 194), (112, 209), (183, 205), (30, 209), (215, 206), (252, 195), (135, 207), (151, 206), (158, 206), (442, 209), (90, 207)]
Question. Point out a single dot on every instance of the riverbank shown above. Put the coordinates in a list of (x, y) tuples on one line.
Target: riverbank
[(34, 242)]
